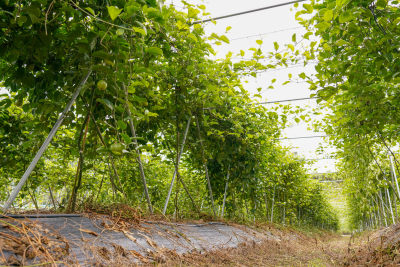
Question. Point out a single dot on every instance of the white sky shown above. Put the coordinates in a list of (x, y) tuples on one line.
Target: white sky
[(279, 24)]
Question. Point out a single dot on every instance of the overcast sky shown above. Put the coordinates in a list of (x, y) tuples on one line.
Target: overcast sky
[(277, 24)]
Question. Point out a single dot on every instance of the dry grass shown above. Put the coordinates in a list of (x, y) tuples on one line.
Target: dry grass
[(378, 248), (265, 253), (27, 242)]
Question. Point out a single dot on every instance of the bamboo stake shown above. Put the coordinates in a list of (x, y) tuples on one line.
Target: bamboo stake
[(390, 205), (380, 211), (45, 144), (394, 176), (226, 189), (52, 198), (176, 166), (272, 206), (205, 166), (266, 204), (141, 170)]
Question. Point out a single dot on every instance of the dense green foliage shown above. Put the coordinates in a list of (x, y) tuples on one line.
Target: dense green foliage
[(151, 73), (357, 78)]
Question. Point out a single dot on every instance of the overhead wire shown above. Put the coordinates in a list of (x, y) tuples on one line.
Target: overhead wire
[(247, 12), (265, 33)]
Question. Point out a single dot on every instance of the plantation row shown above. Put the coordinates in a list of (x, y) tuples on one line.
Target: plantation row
[(358, 79), (153, 106)]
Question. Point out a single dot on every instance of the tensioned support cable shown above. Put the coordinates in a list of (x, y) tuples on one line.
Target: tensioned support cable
[(285, 100), (273, 102), (303, 137), (264, 33), (247, 12)]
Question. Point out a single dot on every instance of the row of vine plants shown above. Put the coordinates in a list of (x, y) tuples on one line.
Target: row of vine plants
[(157, 117), (357, 79)]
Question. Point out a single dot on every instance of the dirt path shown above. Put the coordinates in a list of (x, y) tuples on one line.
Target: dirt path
[(294, 249)]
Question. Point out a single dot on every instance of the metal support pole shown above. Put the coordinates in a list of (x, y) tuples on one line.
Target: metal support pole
[(45, 144), (177, 165)]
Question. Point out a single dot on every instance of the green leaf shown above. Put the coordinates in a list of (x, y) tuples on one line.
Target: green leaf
[(105, 102), (276, 46), (121, 124), (328, 15), (193, 37), (308, 7), (34, 13), (294, 38), (307, 35), (224, 39), (114, 12), (323, 26), (381, 4), (120, 31), (91, 11), (341, 3), (142, 31), (192, 12), (21, 20), (126, 138), (259, 42), (346, 16), (156, 51), (341, 42)]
